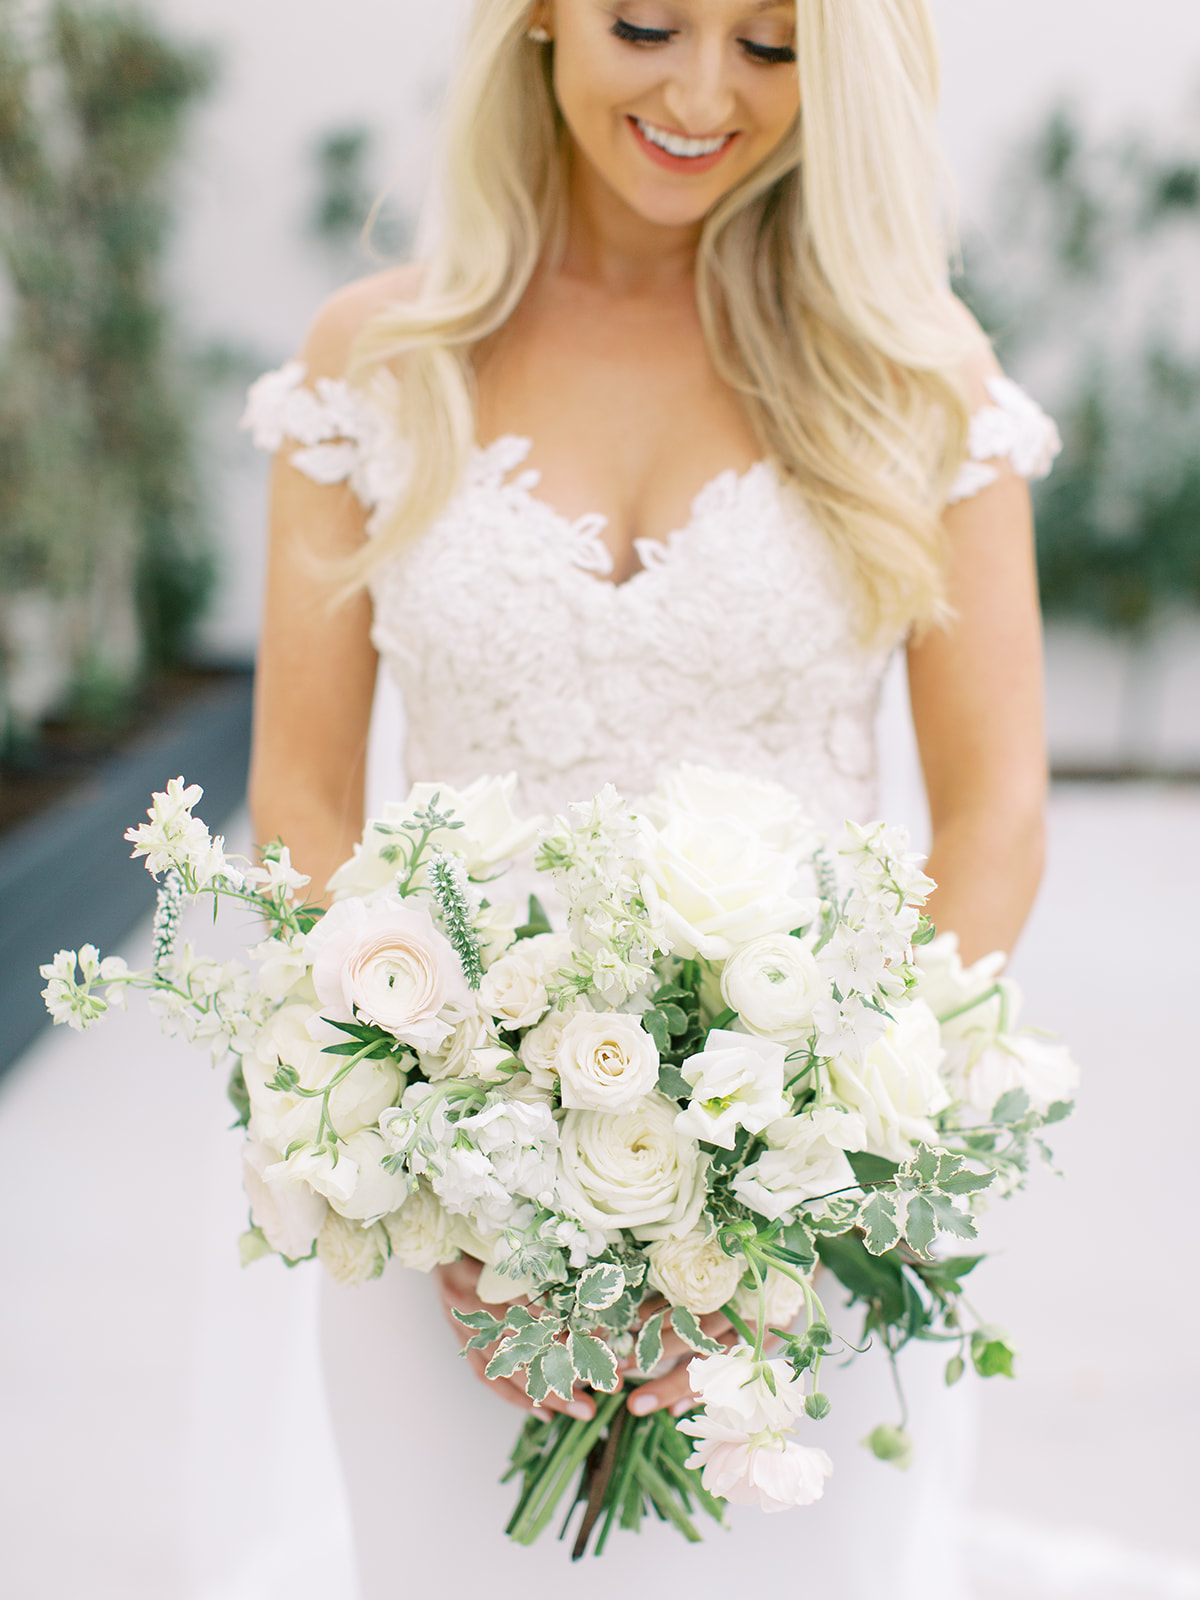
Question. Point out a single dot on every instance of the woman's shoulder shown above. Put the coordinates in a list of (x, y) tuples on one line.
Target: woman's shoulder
[(329, 345)]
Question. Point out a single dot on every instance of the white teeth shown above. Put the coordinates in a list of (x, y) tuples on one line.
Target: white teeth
[(675, 145)]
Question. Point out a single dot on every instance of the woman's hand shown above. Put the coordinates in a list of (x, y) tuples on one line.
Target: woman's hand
[(673, 1389)]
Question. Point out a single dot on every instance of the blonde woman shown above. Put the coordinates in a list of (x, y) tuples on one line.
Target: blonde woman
[(674, 438)]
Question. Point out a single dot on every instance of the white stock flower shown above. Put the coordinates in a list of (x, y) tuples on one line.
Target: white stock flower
[(467, 1186), (738, 1387), (773, 983), (897, 1088), (737, 1082), (606, 1062), (520, 1139), (694, 1272), (421, 1231), (287, 1212), (385, 962), (768, 1469), (351, 1254), (513, 990), (283, 1115), (806, 1158), (631, 1171)]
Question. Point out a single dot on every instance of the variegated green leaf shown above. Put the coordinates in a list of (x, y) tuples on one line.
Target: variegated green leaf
[(692, 1334), (649, 1348), (593, 1361), (599, 1287), (877, 1218)]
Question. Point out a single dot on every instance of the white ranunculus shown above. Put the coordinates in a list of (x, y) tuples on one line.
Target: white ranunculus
[(288, 1039), (514, 988), (723, 856), (288, 1214), (806, 1159), (421, 1231), (737, 1082), (631, 1171), (1041, 1067), (694, 1272), (376, 1191), (767, 1470), (898, 1087), (491, 833), (784, 1300), (386, 963), (606, 1062), (740, 1388), (350, 1253), (773, 983)]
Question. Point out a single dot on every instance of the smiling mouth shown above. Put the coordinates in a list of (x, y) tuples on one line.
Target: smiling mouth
[(676, 149)]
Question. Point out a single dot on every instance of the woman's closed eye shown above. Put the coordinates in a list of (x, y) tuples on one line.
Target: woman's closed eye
[(766, 55), (634, 35)]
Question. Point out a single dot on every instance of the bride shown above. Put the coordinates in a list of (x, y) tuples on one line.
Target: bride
[(673, 439)]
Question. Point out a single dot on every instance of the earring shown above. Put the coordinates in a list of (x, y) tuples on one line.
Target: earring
[(538, 34)]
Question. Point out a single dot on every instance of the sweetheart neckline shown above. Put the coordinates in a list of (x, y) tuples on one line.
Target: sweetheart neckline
[(495, 461)]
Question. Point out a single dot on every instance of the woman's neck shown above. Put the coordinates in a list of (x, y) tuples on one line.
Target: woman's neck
[(611, 246)]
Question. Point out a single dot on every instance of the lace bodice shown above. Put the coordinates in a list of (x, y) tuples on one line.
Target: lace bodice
[(732, 645)]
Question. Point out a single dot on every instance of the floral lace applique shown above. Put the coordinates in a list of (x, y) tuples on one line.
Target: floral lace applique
[(1014, 429)]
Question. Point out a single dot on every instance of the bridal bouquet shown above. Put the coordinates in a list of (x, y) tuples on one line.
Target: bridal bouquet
[(740, 1055)]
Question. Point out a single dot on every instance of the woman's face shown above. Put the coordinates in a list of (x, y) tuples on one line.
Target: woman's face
[(673, 102)]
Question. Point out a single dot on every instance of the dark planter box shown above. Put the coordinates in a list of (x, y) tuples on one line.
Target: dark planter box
[(65, 876)]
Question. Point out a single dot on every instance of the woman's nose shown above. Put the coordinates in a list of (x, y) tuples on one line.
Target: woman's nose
[(700, 97)]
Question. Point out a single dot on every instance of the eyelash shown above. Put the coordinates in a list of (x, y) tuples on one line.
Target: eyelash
[(764, 54)]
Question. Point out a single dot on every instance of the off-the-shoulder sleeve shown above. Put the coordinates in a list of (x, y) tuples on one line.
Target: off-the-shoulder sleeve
[(341, 434), (1014, 428)]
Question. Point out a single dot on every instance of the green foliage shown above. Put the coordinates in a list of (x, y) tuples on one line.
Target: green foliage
[(98, 494), (1083, 228)]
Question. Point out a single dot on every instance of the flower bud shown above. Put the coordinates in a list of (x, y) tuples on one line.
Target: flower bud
[(890, 1442)]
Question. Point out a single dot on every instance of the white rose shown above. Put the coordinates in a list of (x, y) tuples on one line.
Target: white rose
[(349, 1253), (421, 1231), (694, 1272), (606, 1062), (1041, 1067), (720, 883), (737, 1082), (806, 1158), (376, 1191), (386, 963), (631, 1171), (784, 1299), (514, 988), (773, 984), (766, 809), (898, 1087), (539, 1047), (288, 1039), (288, 1214)]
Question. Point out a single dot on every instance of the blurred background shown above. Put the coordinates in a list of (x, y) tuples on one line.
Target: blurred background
[(180, 186)]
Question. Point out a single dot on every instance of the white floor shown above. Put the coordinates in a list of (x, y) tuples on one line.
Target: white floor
[(122, 1306)]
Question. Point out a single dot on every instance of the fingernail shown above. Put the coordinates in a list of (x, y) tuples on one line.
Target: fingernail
[(542, 1416), (580, 1409), (682, 1407), (643, 1404)]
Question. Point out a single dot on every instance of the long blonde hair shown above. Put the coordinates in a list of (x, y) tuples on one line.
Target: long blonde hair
[(822, 284)]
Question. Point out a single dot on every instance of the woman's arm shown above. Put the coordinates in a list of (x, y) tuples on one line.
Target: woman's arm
[(316, 665), (976, 688)]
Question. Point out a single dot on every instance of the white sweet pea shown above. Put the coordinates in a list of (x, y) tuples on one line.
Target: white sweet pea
[(385, 962), (631, 1171), (606, 1062), (284, 1116), (767, 1469), (350, 1253), (737, 1082), (283, 964), (694, 1272), (773, 983), (376, 1192), (455, 1058), (467, 1186), (897, 1088), (754, 1394), (332, 1173), (286, 1210), (1042, 1068), (421, 1231), (807, 1159), (514, 987)]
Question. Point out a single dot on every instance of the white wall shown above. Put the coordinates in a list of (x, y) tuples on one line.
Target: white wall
[(296, 68)]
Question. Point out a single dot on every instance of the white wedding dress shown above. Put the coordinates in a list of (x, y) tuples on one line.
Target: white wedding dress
[(512, 650)]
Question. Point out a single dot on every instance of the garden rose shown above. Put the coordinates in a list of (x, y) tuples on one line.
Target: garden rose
[(421, 1231), (606, 1062), (349, 1253), (737, 1082), (514, 987), (898, 1087), (631, 1171), (386, 963), (694, 1272), (773, 983), (784, 1299)]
